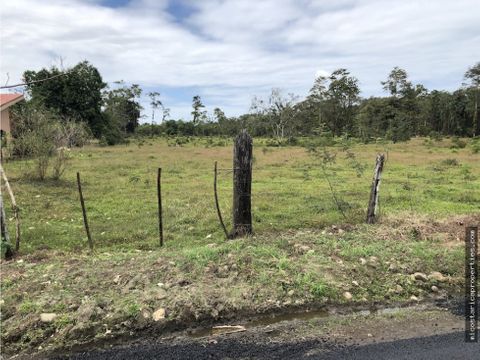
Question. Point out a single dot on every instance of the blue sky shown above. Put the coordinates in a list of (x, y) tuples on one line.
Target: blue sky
[(229, 51)]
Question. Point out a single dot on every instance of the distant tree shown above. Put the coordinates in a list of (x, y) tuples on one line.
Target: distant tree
[(333, 101), (278, 111), (405, 104), (198, 115), (397, 83), (165, 114), (473, 77), (77, 94), (342, 98), (123, 107), (155, 103), (219, 115)]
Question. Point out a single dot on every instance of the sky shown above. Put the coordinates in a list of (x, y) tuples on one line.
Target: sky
[(227, 51)]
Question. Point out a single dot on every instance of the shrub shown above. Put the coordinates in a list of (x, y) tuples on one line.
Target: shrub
[(42, 136), (60, 162), (435, 135), (449, 162), (475, 144), (458, 143)]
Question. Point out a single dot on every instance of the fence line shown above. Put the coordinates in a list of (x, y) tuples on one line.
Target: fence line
[(242, 189)]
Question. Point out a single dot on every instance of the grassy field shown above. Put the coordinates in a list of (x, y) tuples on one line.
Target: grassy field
[(304, 253), (289, 191)]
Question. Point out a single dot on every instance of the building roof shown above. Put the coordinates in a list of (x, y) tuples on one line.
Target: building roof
[(7, 100)]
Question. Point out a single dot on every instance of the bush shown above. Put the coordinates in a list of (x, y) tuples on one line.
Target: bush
[(475, 146), (458, 143), (449, 162), (435, 135), (40, 135)]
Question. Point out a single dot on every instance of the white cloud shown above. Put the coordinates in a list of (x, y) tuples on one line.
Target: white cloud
[(230, 50)]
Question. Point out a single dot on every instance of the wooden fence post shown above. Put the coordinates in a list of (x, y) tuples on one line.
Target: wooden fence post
[(3, 222), (242, 185), (84, 212), (217, 205), (15, 209), (373, 202), (159, 196)]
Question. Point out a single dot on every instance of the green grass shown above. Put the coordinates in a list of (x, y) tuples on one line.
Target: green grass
[(289, 192), (296, 256)]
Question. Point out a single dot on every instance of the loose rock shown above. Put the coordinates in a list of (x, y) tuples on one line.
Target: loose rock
[(161, 294), (437, 276), (47, 317), (158, 314), (347, 295), (420, 276)]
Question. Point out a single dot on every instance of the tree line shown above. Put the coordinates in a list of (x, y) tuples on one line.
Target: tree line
[(333, 107)]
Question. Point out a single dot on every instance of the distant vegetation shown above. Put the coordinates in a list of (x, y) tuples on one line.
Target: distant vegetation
[(333, 107)]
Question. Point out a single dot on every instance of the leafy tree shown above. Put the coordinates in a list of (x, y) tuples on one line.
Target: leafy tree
[(342, 98), (278, 111), (123, 107), (198, 115), (397, 82), (74, 93), (333, 101), (219, 115), (155, 103), (473, 77)]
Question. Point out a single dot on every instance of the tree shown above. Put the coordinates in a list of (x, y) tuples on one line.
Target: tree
[(198, 115), (165, 114), (277, 111), (123, 107), (333, 101), (473, 77), (397, 82), (219, 115), (342, 96), (76, 94), (404, 102), (155, 103)]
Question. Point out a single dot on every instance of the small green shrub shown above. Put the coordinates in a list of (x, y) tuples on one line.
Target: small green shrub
[(435, 135), (458, 143), (450, 162)]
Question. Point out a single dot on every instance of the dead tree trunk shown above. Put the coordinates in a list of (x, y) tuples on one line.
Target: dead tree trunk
[(242, 185), (373, 203)]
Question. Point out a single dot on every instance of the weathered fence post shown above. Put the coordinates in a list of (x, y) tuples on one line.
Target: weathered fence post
[(373, 202), (14, 207), (242, 185), (3, 222), (159, 197), (84, 212), (219, 213)]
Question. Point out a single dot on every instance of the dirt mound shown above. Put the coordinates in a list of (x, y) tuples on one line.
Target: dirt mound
[(447, 231)]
